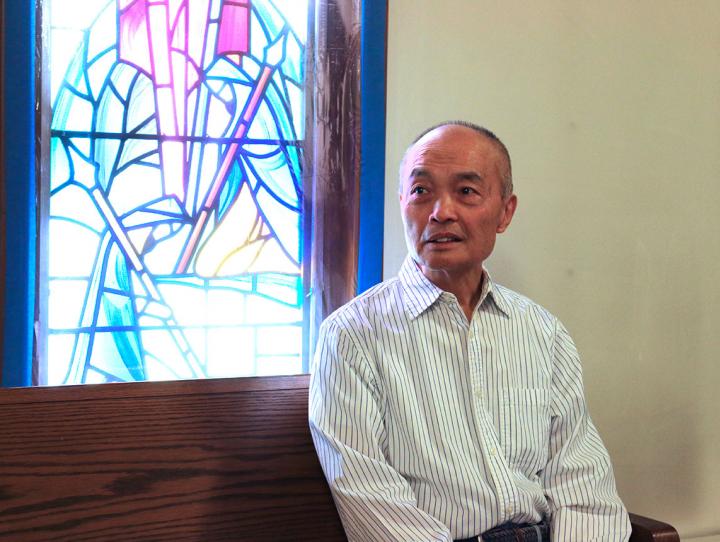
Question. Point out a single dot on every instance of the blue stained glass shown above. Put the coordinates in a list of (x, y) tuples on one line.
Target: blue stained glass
[(175, 215)]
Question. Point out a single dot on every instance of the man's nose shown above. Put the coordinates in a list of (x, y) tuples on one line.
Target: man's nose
[(444, 209)]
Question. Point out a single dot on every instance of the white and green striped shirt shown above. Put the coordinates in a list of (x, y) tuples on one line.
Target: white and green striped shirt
[(430, 427)]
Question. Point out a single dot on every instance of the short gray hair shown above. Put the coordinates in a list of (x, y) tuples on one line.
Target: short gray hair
[(484, 132)]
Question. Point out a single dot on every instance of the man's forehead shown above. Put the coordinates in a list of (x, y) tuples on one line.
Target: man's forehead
[(452, 145), (457, 132), (451, 131), (458, 174)]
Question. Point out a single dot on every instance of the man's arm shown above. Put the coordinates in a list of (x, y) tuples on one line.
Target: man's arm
[(578, 479), (374, 501)]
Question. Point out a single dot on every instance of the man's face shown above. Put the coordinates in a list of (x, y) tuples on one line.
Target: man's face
[(452, 202)]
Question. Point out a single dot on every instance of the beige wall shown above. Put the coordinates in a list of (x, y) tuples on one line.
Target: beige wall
[(611, 111)]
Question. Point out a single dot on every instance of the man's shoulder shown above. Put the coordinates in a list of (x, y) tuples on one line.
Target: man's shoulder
[(373, 300), (517, 304)]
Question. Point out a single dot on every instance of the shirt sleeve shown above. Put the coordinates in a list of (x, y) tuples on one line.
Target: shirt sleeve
[(374, 501), (578, 478)]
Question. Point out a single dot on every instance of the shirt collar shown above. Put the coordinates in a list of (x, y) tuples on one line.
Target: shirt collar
[(495, 292), (420, 293)]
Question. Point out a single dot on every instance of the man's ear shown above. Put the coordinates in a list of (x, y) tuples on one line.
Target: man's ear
[(509, 206)]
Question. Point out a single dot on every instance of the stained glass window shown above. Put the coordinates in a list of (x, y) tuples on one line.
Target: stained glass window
[(175, 238)]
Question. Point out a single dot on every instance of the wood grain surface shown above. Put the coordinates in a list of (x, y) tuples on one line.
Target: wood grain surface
[(206, 460)]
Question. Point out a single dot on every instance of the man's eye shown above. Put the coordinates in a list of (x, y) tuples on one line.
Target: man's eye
[(468, 190), (418, 190)]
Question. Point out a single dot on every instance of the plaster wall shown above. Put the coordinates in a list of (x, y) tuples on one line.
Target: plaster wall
[(611, 112)]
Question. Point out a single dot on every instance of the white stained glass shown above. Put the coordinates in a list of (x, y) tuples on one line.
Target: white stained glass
[(285, 365), (122, 77), (211, 34), (60, 347), (141, 108), (210, 162), (284, 288), (95, 377), (258, 39), (231, 352), (296, 13), (80, 113), (64, 46), (197, 339), (163, 257), (134, 148), (218, 119), (105, 356), (283, 221), (267, 311), (103, 32), (189, 302), (60, 167), (111, 107), (263, 126), (113, 304), (226, 307), (133, 187), (215, 6), (77, 14), (98, 70), (293, 62), (279, 341), (297, 105), (73, 249), (163, 359), (66, 203), (274, 171), (105, 151), (65, 303)]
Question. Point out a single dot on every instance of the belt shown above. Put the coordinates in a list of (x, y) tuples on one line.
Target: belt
[(513, 532)]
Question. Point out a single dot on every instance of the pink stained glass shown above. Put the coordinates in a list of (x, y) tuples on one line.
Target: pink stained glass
[(133, 40), (155, 36), (159, 43), (234, 33)]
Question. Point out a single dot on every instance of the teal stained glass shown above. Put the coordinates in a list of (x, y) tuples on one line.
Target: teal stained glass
[(175, 231)]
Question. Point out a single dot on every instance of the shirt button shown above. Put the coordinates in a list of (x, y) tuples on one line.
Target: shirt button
[(508, 510), (492, 452)]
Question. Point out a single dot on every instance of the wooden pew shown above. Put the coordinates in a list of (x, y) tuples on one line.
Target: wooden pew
[(202, 460)]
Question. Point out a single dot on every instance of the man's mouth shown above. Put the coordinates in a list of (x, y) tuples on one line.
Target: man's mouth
[(443, 238)]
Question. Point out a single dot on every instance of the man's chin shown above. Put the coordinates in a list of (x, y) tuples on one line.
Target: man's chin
[(443, 263)]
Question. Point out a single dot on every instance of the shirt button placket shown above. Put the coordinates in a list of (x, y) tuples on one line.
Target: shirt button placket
[(476, 380), (478, 385), (498, 469)]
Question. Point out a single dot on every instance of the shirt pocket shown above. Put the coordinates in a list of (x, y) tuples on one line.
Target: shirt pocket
[(525, 428)]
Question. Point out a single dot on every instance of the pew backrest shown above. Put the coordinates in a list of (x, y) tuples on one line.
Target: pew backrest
[(225, 459)]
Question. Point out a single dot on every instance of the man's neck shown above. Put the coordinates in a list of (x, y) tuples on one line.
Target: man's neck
[(465, 286)]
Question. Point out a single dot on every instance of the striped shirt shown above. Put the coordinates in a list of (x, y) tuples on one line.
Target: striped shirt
[(430, 427)]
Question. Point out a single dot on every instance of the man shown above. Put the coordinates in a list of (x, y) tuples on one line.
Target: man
[(444, 406)]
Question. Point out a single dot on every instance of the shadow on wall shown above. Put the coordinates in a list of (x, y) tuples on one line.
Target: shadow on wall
[(650, 409), (664, 448)]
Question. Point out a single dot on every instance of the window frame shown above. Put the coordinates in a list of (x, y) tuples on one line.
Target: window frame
[(19, 210)]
